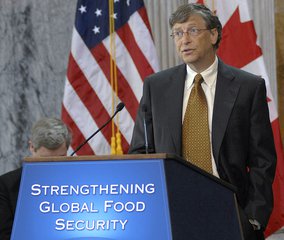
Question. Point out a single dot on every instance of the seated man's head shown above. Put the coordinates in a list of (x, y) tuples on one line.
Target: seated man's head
[(49, 137)]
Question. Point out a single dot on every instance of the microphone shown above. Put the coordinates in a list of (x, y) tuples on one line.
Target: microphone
[(144, 110), (119, 107)]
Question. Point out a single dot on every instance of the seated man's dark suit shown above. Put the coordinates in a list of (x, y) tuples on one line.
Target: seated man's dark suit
[(9, 189)]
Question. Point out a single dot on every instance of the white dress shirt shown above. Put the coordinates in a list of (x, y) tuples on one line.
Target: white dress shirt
[(209, 86)]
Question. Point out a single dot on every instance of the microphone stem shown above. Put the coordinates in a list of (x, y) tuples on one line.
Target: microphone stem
[(78, 148)]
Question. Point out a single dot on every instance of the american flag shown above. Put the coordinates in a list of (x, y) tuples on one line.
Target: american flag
[(88, 100)]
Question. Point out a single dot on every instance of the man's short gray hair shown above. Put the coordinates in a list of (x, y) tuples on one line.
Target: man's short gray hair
[(50, 133), (183, 12)]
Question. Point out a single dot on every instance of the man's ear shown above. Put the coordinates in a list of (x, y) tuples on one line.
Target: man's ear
[(214, 36)]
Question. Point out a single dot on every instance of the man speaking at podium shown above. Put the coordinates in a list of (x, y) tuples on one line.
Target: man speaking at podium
[(213, 115), (49, 137)]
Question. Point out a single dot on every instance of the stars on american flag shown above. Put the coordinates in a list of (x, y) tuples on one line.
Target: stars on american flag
[(83, 9), (114, 16), (96, 30), (98, 12)]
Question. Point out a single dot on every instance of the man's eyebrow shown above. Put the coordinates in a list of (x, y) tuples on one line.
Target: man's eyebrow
[(176, 29), (187, 27)]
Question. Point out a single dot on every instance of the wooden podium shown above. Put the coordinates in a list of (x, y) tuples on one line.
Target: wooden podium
[(155, 196)]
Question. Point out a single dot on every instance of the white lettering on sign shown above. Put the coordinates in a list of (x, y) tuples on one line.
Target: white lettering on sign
[(71, 225)]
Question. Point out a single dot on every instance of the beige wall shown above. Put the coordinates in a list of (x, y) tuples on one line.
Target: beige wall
[(279, 31)]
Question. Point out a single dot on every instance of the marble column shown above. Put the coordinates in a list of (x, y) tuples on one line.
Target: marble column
[(34, 47)]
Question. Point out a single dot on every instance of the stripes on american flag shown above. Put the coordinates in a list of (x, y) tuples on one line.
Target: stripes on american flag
[(87, 100)]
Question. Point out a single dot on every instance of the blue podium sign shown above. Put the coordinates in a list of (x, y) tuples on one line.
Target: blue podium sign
[(113, 199)]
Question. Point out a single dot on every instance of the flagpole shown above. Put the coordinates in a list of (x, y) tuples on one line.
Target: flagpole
[(111, 36), (115, 137)]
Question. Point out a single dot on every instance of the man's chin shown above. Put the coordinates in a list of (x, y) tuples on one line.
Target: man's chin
[(188, 59)]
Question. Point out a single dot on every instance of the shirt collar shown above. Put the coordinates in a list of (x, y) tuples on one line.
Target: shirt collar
[(207, 74)]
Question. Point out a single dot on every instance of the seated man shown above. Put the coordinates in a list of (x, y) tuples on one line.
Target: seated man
[(49, 137)]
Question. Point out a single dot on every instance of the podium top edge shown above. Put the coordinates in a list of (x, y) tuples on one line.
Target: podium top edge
[(101, 157), (163, 156)]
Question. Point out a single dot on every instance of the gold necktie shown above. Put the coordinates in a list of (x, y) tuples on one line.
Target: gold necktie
[(195, 130)]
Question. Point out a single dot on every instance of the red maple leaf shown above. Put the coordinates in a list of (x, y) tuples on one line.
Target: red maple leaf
[(238, 45)]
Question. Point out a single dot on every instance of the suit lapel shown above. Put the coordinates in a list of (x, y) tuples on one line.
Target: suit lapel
[(173, 104), (225, 96)]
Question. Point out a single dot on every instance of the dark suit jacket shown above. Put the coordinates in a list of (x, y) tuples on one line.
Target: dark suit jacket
[(9, 188), (242, 137)]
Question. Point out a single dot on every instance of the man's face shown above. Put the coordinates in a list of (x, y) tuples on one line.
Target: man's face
[(45, 152), (196, 49)]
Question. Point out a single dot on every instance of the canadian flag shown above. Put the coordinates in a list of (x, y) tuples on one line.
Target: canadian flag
[(239, 48)]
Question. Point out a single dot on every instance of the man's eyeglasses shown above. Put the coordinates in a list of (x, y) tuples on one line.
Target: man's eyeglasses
[(193, 32)]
